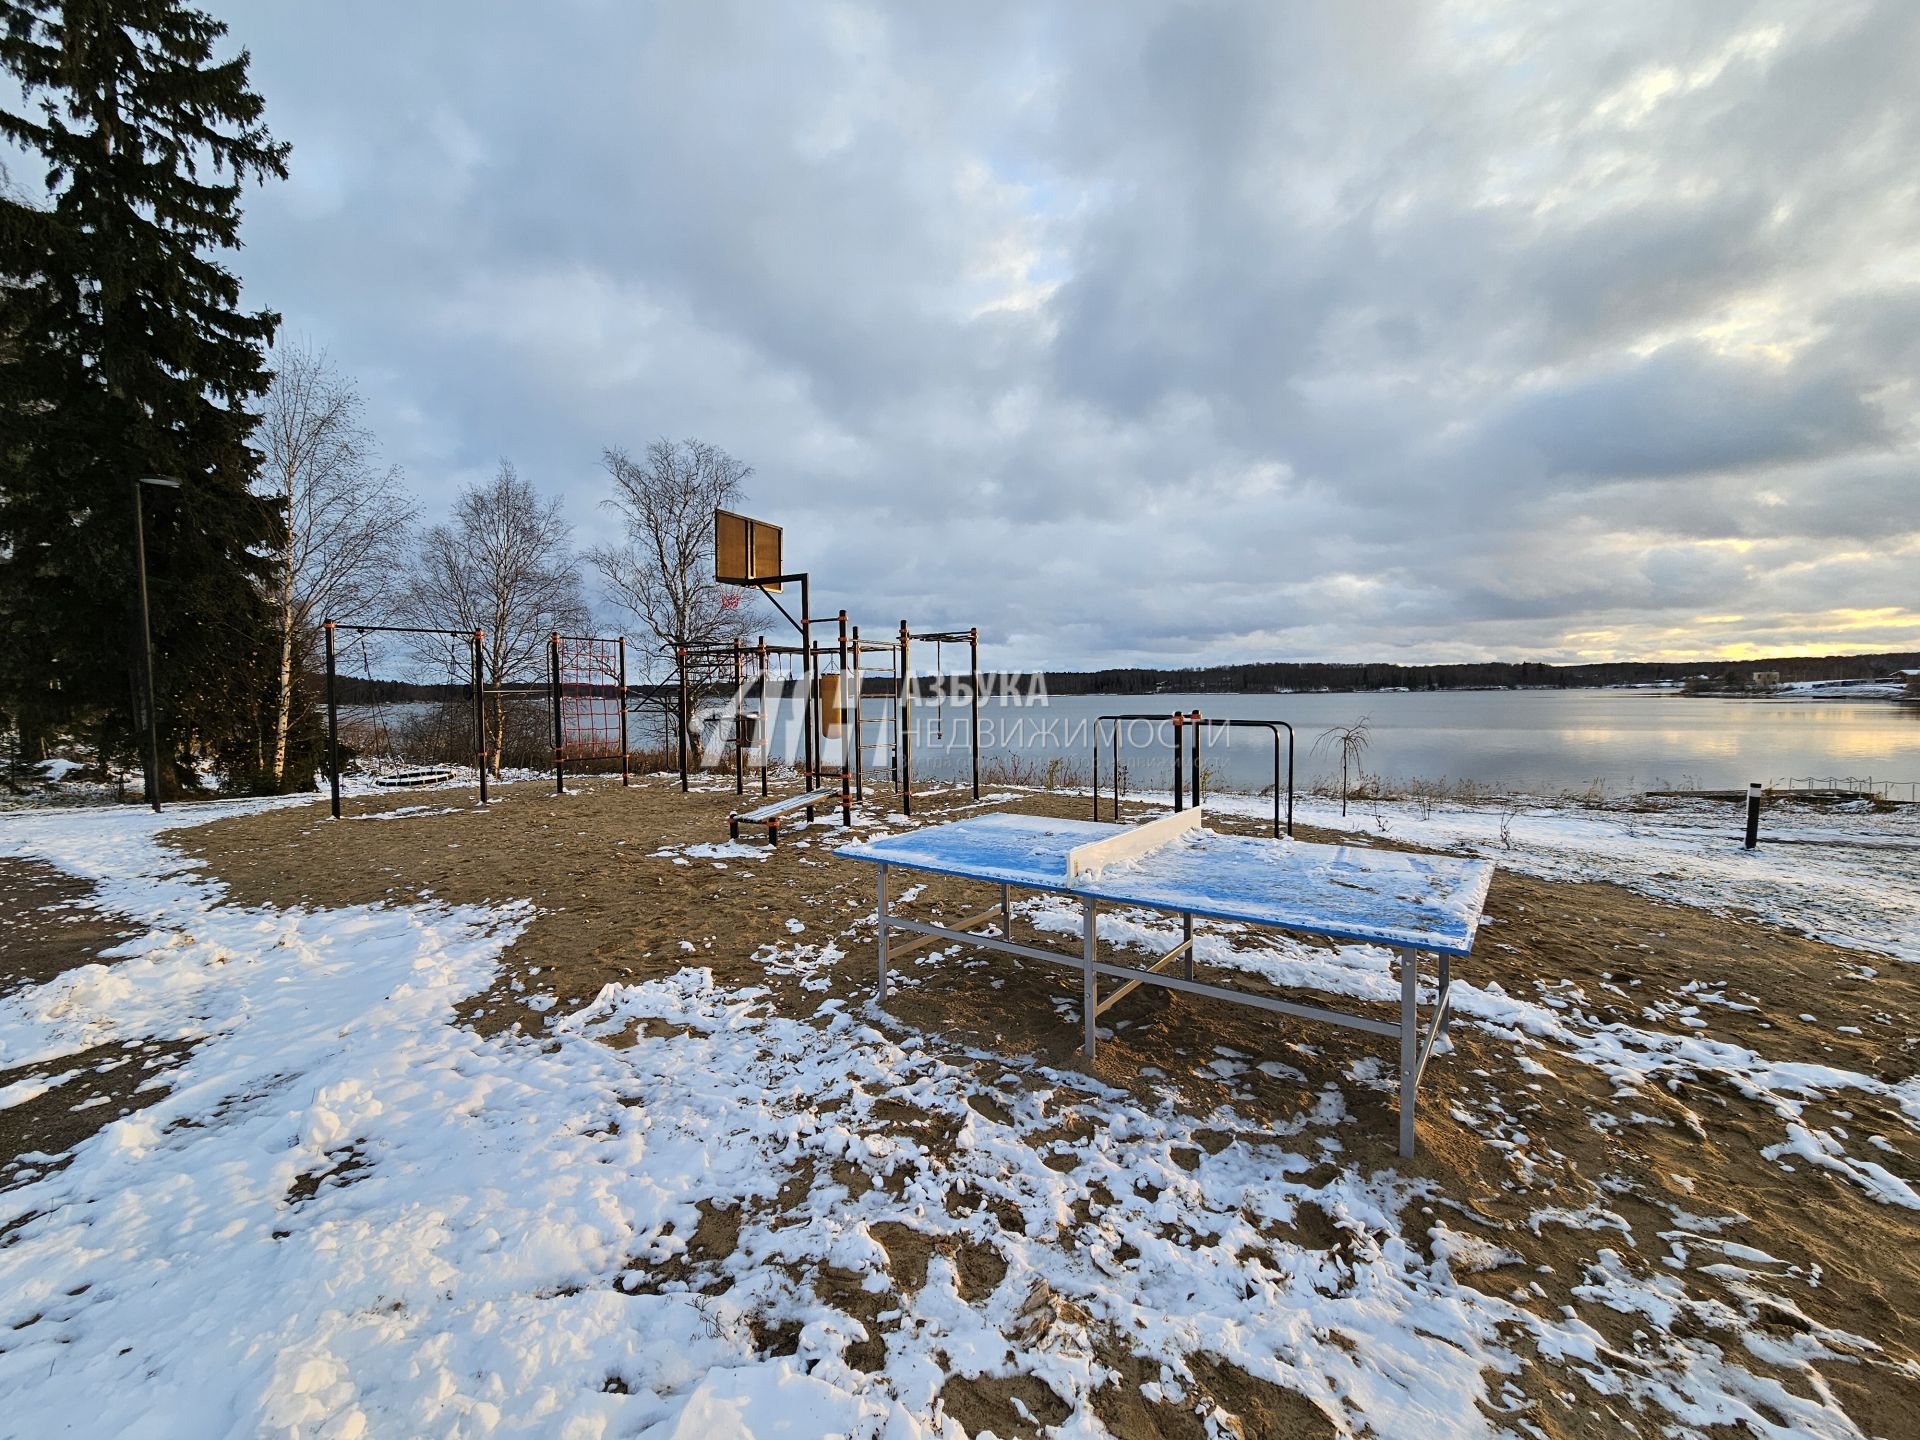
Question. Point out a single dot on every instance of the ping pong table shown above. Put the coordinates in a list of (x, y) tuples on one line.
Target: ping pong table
[(1411, 904)]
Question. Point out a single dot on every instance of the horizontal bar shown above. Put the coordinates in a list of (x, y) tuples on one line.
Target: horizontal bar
[(1259, 1002), (895, 951), (397, 629), (1125, 972), (1132, 985), (989, 942)]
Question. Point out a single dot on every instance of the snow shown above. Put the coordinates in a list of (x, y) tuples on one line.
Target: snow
[(350, 1214), (1392, 897), (1851, 879)]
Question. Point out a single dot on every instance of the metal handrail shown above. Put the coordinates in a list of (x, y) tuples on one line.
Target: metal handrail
[(1275, 726), (1179, 719)]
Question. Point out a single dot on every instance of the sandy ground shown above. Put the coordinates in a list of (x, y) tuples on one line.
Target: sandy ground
[(630, 884)]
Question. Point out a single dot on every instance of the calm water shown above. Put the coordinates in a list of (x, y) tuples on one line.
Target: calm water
[(1544, 741), (1541, 741)]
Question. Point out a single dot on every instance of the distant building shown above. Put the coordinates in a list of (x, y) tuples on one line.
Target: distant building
[(1766, 679)]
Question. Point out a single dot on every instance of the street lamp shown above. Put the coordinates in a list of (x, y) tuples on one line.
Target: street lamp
[(164, 482)]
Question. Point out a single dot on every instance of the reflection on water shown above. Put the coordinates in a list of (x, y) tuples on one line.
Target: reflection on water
[(1546, 740)]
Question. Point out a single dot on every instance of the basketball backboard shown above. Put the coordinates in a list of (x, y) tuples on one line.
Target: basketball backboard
[(745, 551)]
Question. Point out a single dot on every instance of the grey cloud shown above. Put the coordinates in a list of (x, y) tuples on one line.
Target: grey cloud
[(1182, 333)]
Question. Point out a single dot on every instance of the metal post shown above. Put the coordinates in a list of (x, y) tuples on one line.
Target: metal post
[(811, 714), (1753, 815), (1006, 913), (903, 721), (973, 665), (1276, 789), (1096, 769), (146, 651), (480, 708), (1409, 1042), (859, 758), (333, 727), (846, 732), (1195, 717), (1179, 763), (1089, 981), (625, 762), (1289, 782), (880, 923), (680, 653), (739, 759), (762, 730), (559, 736)]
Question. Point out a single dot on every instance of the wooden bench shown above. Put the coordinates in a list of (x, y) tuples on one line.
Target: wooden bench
[(769, 814)]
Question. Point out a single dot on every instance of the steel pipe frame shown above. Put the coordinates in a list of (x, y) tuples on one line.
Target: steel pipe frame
[(1416, 1044), (1180, 719), (473, 638), (620, 688), (903, 714), (1198, 721)]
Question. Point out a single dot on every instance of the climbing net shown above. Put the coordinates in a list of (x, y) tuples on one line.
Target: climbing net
[(590, 698)]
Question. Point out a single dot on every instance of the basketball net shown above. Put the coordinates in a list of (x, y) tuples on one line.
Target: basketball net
[(729, 598)]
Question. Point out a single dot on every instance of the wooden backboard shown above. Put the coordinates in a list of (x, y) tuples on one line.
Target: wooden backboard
[(745, 551)]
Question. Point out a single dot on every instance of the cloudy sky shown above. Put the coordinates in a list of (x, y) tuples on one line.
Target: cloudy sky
[(1158, 333)]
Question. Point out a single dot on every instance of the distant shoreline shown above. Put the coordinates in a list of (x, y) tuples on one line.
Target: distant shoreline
[(1888, 672)]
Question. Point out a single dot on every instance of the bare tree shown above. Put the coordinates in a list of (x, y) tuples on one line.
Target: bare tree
[(1352, 741), (347, 518), (662, 570), (505, 565)]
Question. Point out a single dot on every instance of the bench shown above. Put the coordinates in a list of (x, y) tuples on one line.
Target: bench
[(769, 814), (405, 779)]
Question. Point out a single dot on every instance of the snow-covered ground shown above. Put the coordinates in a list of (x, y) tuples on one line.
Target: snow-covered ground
[(1845, 874), (349, 1214), (1891, 689)]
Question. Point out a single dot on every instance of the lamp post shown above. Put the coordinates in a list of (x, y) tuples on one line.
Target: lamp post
[(164, 482)]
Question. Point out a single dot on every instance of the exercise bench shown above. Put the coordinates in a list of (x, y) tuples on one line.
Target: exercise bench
[(769, 814)]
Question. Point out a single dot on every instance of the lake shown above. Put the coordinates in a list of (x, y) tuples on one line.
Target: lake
[(1540, 741)]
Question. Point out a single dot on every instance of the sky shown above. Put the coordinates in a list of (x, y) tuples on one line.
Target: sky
[(1156, 333)]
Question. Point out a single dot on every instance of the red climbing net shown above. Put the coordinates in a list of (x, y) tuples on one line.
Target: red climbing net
[(592, 697)]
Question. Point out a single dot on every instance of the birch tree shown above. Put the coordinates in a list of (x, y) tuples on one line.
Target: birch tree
[(662, 569), (505, 565), (347, 518)]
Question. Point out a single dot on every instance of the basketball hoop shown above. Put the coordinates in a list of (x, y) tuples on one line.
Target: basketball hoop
[(729, 598)]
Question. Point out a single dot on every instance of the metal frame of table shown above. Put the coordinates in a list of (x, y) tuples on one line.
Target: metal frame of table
[(1416, 1046)]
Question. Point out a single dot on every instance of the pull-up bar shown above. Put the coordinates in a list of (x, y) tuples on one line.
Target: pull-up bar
[(904, 720), (1179, 720), (473, 638)]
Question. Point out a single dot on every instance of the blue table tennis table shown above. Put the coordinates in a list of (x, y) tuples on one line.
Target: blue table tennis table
[(1411, 904)]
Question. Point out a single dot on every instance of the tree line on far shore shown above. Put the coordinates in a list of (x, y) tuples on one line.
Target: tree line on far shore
[(1267, 677)]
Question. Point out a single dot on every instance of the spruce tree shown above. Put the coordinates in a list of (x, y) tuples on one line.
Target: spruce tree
[(124, 352)]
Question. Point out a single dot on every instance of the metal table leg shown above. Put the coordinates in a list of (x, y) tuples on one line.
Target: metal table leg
[(880, 923), (1089, 981), (1409, 1046)]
